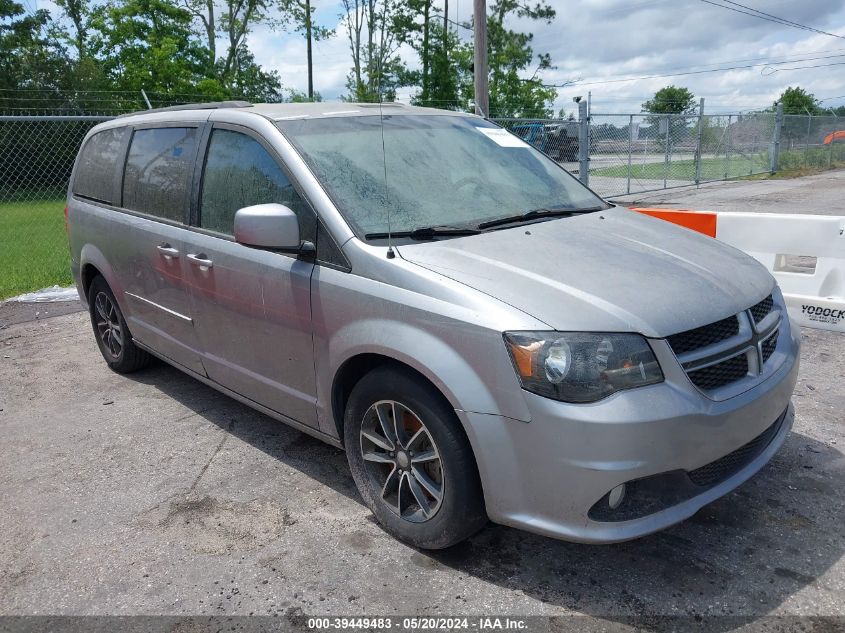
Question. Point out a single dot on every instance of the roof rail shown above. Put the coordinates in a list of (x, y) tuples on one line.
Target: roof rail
[(210, 105)]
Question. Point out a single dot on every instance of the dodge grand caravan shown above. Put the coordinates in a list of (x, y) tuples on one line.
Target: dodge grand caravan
[(485, 336)]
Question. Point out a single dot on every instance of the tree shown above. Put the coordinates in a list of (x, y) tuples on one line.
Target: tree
[(510, 56), (798, 101), (302, 15), (148, 44), (79, 14), (428, 33), (375, 32), (233, 20), (671, 100), (668, 101)]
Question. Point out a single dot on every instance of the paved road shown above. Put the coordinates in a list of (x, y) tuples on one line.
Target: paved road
[(155, 494), (820, 194)]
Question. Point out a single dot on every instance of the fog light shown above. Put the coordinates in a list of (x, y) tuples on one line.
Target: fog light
[(614, 499)]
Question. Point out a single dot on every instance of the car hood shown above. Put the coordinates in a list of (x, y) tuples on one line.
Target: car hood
[(614, 270)]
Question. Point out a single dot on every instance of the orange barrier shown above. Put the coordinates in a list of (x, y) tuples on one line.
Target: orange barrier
[(834, 136), (701, 221)]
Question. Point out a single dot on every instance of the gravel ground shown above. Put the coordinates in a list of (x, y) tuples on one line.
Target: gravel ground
[(154, 494), (822, 194)]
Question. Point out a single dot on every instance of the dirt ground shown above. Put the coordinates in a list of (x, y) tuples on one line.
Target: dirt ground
[(154, 494), (821, 194)]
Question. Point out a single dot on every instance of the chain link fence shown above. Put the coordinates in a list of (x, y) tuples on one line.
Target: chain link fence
[(36, 159), (636, 153), (615, 154)]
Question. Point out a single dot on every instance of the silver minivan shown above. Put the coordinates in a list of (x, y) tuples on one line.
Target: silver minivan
[(486, 337)]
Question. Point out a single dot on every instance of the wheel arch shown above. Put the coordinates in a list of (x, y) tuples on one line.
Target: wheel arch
[(87, 274), (355, 368), (358, 366), (93, 263)]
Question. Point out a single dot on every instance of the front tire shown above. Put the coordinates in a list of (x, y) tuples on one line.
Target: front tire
[(110, 329), (411, 461)]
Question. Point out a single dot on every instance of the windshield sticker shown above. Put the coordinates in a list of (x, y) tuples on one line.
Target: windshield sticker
[(502, 137)]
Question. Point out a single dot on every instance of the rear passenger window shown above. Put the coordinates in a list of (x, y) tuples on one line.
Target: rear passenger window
[(96, 169), (239, 172), (158, 171)]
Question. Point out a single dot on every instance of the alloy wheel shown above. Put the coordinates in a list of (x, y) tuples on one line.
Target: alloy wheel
[(108, 324), (402, 460)]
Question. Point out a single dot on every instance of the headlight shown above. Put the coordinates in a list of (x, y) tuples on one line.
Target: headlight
[(581, 367)]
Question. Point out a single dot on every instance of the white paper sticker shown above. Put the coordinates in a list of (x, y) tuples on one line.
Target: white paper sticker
[(502, 137)]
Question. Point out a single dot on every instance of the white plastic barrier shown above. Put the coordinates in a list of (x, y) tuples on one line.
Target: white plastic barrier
[(805, 253)]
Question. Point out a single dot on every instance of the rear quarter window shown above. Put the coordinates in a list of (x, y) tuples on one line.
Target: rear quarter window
[(158, 171), (98, 160)]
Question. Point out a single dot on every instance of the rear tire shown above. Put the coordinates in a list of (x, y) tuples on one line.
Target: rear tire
[(111, 332), (419, 477)]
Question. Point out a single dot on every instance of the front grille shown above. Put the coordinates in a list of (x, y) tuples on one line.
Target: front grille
[(715, 472), (720, 374), (704, 335), (761, 310), (769, 345), (718, 346)]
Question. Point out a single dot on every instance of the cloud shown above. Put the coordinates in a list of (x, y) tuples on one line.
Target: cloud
[(600, 41)]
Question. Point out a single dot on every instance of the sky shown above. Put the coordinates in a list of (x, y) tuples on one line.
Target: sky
[(594, 42)]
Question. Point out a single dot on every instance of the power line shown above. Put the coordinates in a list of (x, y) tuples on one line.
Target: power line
[(778, 70), (796, 24), (715, 70), (794, 58), (769, 17)]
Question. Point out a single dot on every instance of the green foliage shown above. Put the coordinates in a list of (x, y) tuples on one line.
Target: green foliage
[(671, 100), (375, 30), (296, 96), (511, 55), (798, 101), (831, 156), (30, 57), (148, 44)]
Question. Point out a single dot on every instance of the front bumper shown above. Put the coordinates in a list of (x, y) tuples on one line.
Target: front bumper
[(545, 475)]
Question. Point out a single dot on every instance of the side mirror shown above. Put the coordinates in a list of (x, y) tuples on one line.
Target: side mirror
[(271, 225)]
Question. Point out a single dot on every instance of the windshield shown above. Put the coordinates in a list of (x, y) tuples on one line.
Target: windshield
[(441, 170)]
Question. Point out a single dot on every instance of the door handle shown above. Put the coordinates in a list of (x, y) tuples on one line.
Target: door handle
[(167, 250), (201, 260)]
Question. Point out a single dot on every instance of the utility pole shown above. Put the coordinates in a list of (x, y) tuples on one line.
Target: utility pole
[(479, 20), (308, 40)]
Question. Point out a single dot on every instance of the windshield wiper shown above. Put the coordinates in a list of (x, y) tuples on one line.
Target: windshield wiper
[(536, 213), (426, 233)]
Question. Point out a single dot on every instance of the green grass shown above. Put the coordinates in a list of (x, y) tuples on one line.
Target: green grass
[(33, 246), (711, 169)]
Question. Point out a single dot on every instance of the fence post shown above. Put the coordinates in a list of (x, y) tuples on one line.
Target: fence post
[(630, 147), (729, 132), (830, 152), (583, 143), (666, 159), (807, 141), (776, 139), (698, 151)]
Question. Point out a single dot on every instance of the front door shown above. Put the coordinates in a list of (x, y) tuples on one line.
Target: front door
[(251, 307)]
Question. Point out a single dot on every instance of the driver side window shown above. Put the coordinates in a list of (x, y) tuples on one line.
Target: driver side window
[(239, 173)]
